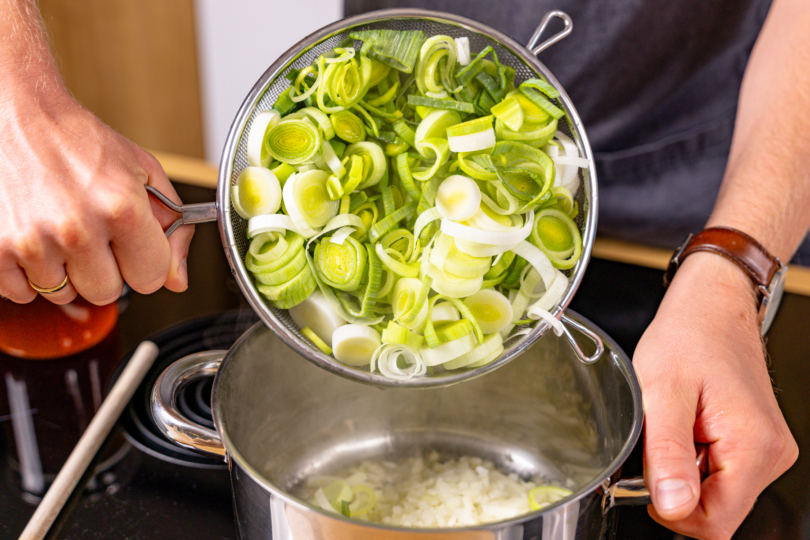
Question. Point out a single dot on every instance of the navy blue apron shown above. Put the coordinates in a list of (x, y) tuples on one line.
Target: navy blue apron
[(656, 83)]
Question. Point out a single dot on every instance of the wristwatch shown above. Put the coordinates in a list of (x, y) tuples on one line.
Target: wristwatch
[(765, 271)]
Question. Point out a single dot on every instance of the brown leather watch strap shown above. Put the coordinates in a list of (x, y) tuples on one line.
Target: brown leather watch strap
[(735, 246)]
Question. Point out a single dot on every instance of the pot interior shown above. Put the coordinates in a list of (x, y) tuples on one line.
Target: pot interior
[(545, 413)]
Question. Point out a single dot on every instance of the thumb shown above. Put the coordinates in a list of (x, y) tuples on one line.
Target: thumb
[(670, 469)]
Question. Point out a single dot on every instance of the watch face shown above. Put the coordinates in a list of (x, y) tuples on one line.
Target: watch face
[(771, 303)]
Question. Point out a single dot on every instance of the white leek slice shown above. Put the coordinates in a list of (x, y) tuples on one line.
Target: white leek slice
[(488, 220), (538, 259), (555, 324), (354, 344), (331, 159), (398, 362), (569, 176), (435, 125), (491, 348), (323, 502), (458, 198), (426, 217), (257, 191), (552, 295), (463, 50), (307, 201), (544, 495), (476, 249), (472, 142), (318, 314), (495, 238), (403, 288), (448, 351), (257, 153), (453, 286), (491, 309), (341, 236), (269, 223), (446, 312)]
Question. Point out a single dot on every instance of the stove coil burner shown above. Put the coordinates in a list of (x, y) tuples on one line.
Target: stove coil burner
[(218, 331)]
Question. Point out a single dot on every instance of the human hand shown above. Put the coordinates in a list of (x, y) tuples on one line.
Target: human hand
[(73, 201), (704, 380)]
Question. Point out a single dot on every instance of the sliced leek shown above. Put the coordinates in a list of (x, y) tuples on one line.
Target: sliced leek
[(317, 314), (354, 344), (458, 198), (434, 255), (491, 309), (258, 154), (294, 141), (256, 192)]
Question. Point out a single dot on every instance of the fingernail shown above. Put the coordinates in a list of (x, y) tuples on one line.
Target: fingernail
[(183, 270), (673, 493)]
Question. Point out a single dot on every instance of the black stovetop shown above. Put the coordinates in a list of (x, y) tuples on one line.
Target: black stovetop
[(152, 490)]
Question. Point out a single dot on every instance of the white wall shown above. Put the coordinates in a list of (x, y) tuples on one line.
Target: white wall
[(237, 40)]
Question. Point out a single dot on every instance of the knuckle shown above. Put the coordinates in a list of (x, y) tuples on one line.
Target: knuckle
[(665, 448), (124, 209)]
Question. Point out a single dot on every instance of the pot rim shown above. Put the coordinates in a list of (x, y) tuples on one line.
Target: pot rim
[(616, 354), (226, 168)]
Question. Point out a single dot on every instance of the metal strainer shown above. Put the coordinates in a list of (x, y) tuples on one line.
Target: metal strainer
[(270, 86)]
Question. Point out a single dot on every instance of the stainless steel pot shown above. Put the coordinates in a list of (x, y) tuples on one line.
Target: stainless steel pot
[(279, 420)]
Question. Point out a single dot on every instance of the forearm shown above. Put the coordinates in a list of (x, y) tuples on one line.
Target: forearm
[(27, 68), (766, 189)]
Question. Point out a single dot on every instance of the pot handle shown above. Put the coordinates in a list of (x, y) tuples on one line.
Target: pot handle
[(633, 491), (585, 331), (190, 213), (569, 26), (176, 427)]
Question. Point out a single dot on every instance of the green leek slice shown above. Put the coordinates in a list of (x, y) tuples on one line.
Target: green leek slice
[(509, 112), (293, 141), (341, 266), (557, 236), (374, 167), (398, 49), (348, 126)]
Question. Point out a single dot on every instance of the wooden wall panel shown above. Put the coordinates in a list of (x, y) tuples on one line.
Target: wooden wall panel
[(134, 64)]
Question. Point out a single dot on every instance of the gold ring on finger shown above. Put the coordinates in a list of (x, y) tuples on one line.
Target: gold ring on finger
[(45, 290)]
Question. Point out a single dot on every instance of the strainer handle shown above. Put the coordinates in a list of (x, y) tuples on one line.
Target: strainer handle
[(569, 25), (584, 330), (171, 422), (190, 213)]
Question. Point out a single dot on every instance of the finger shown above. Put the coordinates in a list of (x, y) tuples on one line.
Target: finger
[(137, 240), (670, 470), (44, 266), (47, 279), (741, 469), (14, 285), (94, 274), (179, 241)]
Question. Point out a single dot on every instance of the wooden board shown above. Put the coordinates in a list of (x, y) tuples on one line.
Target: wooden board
[(134, 64)]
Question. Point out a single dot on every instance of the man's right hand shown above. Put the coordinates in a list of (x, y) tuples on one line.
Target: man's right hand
[(73, 202)]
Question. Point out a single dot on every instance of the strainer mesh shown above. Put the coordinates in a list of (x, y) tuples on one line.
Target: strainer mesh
[(276, 86)]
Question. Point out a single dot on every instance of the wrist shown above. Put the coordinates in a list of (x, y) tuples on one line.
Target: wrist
[(711, 276)]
